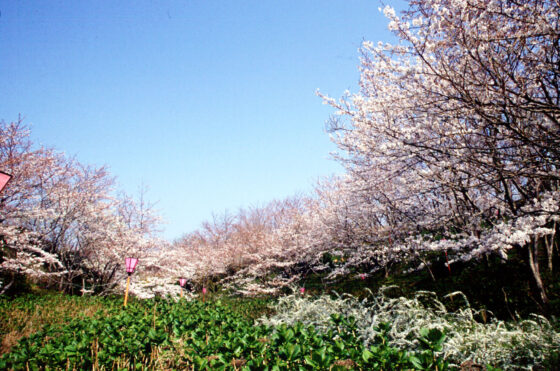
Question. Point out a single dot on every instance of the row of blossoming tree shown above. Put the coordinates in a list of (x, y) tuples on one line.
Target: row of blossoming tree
[(451, 146)]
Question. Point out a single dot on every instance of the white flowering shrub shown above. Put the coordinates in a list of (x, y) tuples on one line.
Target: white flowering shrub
[(513, 345), (315, 311)]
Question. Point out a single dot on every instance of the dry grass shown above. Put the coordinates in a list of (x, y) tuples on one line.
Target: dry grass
[(24, 315)]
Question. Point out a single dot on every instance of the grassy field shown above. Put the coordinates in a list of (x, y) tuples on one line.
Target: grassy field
[(29, 313), (55, 331), (62, 332)]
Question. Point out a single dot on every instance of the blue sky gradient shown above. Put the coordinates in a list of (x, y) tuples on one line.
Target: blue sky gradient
[(211, 104)]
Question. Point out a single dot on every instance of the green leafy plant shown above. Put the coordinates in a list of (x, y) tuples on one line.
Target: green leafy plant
[(431, 341), (165, 334)]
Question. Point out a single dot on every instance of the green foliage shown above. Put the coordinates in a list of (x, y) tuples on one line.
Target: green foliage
[(252, 308), (163, 334), (382, 333), (382, 356), (431, 342)]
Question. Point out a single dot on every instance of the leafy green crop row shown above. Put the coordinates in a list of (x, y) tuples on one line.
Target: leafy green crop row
[(161, 334)]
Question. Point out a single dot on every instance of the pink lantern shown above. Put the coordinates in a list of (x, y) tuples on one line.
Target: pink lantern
[(4, 179), (363, 276), (302, 290), (182, 282), (131, 265), (204, 291)]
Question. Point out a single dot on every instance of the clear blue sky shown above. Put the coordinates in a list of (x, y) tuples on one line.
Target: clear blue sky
[(209, 103)]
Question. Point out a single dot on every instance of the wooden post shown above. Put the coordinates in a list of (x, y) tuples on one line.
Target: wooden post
[(181, 292), (126, 292)]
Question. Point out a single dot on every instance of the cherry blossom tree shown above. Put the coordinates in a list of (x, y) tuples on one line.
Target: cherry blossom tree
[(455, 131), (60, 223), (21, 254)]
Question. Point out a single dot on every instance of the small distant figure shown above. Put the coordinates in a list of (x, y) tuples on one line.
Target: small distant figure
[(188, 285)]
